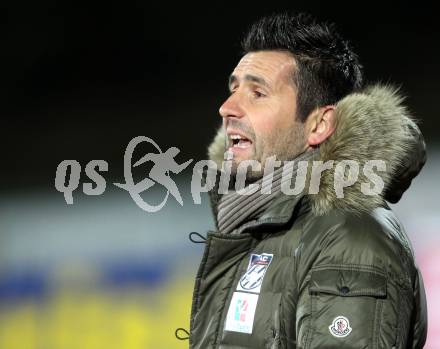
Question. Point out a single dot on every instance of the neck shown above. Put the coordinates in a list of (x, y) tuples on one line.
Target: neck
[(238, 206)]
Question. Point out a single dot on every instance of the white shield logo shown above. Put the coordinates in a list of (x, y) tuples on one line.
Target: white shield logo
[(253, 278)]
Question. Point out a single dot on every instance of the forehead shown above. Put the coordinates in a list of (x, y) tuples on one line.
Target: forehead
[(273, 66)]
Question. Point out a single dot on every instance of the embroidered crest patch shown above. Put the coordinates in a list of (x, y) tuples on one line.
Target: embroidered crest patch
[(253, 278), (340, 327), (241, 312)]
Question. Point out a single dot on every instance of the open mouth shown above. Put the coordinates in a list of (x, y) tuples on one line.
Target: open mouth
[(239, 141)]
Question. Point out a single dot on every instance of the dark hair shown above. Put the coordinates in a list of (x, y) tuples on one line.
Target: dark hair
[(328, 69)]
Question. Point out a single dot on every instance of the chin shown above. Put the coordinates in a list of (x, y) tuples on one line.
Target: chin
[(251, 176)]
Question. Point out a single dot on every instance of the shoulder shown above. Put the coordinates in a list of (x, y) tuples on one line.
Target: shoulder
[(374, 240)]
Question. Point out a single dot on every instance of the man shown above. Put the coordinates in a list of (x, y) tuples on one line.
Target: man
[(319, 269)]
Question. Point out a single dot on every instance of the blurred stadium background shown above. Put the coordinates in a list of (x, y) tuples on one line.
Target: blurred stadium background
[(79, 82)]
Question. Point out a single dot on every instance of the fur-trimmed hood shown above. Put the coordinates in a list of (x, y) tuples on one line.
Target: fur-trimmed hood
[(372, 124)]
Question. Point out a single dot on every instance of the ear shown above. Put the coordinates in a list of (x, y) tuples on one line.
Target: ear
[(320, 125)]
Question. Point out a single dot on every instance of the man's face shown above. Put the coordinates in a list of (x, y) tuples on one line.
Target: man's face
[(260, 114)]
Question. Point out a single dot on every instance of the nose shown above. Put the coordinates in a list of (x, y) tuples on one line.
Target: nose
[(232, 107)]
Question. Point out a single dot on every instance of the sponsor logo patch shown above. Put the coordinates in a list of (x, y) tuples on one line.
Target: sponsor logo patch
[(340, 327), (253, 278), (241, 312)]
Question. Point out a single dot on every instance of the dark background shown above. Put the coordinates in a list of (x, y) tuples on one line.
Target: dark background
[(80, 80)]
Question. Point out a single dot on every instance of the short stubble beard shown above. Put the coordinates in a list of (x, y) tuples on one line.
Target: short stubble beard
[(285, 147)]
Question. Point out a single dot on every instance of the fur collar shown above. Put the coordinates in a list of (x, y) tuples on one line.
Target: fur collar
[(370, 124)]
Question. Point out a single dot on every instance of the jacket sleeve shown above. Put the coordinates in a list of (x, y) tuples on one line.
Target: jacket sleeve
[(355, 290)]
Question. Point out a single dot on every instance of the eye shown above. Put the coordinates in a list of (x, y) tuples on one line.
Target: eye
[(258, 94)]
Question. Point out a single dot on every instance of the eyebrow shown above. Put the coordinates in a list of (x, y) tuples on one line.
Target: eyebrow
[(248, 77)]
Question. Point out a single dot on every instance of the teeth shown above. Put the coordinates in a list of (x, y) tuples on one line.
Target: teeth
[(238, 141), (241, 145)]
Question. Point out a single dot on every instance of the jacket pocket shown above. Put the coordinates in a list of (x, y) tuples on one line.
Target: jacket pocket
[(345, 307)]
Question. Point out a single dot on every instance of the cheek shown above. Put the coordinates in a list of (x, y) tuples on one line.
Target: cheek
[(262, 126), (275, 119), (287, 112), (264, 130), (272, 116)]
